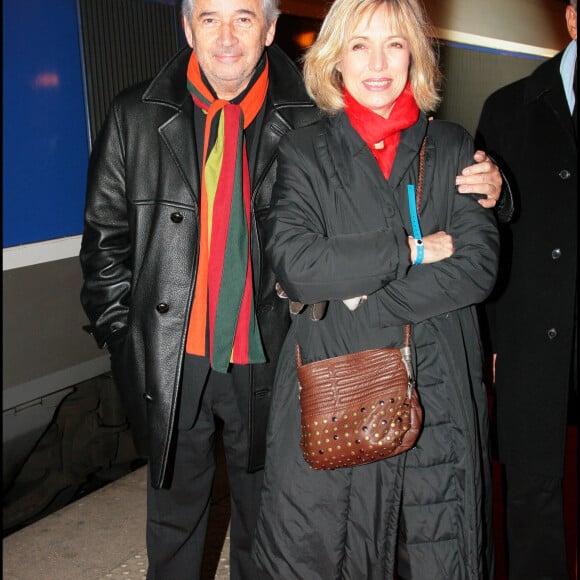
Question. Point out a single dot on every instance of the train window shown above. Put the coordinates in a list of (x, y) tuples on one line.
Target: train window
[(123, 43)]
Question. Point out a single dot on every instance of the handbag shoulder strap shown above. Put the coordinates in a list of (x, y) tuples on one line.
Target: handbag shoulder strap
[(418, 194), (419, 190), (298, 357)]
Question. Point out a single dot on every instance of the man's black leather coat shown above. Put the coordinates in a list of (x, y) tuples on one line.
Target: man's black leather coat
[(140, 246)]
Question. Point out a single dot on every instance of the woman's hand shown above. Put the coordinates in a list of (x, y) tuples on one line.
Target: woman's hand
[(437, 246)]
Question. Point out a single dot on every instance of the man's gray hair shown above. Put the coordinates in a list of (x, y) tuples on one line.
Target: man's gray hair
[(270, 8)]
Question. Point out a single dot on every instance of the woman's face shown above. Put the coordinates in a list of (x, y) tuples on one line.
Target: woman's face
[(375, 62)]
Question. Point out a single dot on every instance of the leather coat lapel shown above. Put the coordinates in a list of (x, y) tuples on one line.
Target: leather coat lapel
[(169, 89), (285, 93), (287, 107), (556, 101), (178, 135), (267, 147), (546, 85)]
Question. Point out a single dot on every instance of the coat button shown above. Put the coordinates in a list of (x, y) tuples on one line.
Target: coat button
[(162, 308), (552, 333), (564, 174), (176, 217), (147, 397), (389, 210), (556, 253)]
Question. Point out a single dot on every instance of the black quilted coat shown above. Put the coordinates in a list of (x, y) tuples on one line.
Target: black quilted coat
[(338, 230)]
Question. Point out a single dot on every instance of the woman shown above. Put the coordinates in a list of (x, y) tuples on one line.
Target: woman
[(339, 232)]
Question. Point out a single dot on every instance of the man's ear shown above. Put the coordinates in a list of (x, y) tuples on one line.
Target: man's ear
[(187, 30), (271, 32), (571, 21)]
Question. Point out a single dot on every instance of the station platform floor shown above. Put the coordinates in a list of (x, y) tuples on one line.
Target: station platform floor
[(102, 535)]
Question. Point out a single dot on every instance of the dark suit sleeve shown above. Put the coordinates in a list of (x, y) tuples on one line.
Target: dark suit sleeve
[(505, 207), (485, 140), (491, 129)]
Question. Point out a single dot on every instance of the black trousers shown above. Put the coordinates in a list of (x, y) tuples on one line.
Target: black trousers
[(535, 527), (177, 517)]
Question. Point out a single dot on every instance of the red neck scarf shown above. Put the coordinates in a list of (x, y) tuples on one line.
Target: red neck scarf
[(223, 290), (380, 134)]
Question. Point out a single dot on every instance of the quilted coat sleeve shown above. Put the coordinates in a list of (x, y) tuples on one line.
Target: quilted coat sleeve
[(313, 262), (469, 275), (106, 248), (310, 261)]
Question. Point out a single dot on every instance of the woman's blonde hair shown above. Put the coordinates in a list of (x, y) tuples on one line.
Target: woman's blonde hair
[(324, 81)]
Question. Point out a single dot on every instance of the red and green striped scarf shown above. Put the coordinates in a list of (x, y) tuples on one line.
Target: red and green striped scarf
[(223, 292)]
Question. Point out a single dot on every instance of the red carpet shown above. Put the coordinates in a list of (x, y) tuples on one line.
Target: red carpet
[(570, 509)]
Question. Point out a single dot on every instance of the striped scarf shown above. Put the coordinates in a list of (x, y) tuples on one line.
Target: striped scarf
[(223, 292)]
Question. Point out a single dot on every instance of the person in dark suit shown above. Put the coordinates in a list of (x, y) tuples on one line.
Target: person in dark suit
[(176, 284), (530, 128)]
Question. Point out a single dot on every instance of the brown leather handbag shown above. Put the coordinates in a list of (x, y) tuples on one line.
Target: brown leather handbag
[(358, 408)]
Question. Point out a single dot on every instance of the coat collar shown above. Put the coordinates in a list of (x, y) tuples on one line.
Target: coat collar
[(285, 106), (349, 146), (354, 165), (286, 89), (169, 87), (544, 79), (545, 83)]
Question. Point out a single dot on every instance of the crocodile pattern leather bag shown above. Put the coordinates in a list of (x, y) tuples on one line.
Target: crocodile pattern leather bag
[(357, 408)]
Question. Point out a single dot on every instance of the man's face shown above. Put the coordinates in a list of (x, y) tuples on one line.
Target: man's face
[(228, 38)]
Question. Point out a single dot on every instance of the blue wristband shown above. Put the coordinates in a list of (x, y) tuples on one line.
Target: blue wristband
[(420, 251), (415, 224)]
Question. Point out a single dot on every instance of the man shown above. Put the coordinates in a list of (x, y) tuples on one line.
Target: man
[(529, 126), (176, 284)]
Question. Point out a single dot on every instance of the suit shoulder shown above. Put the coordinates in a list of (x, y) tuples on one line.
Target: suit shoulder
[(509, 94)]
